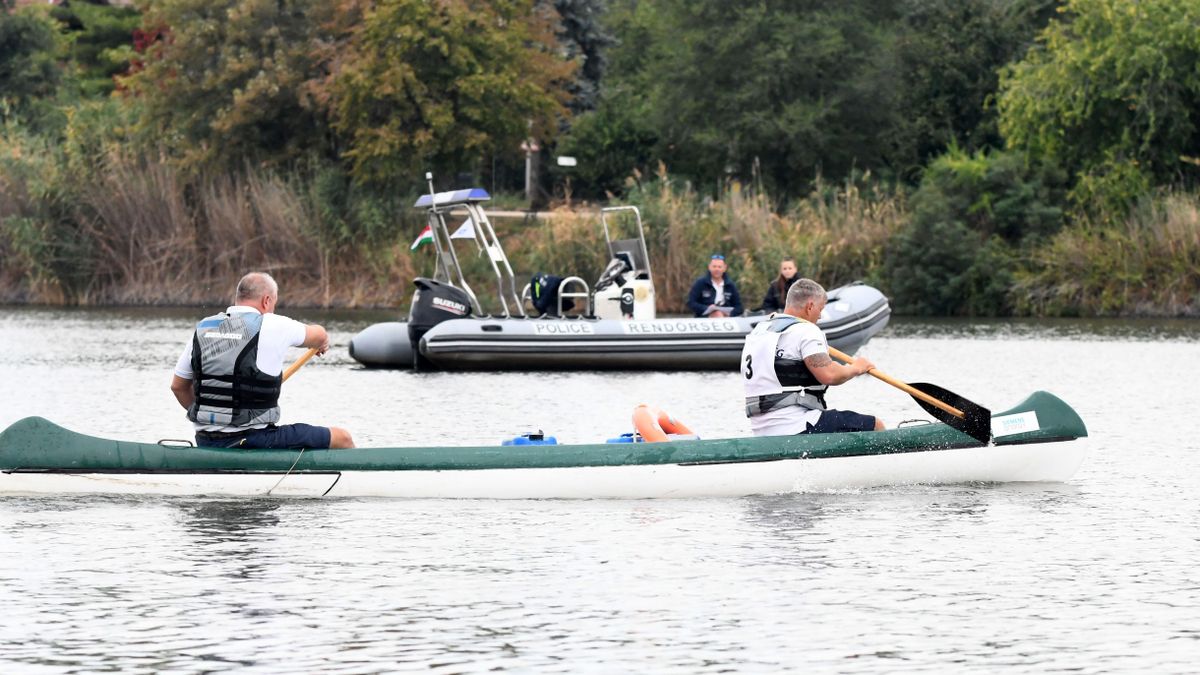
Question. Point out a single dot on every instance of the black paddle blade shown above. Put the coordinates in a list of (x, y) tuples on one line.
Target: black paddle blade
[(977, 422)]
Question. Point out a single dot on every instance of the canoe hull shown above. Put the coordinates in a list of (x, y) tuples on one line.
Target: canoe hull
[(38, 457), (1002, 464)]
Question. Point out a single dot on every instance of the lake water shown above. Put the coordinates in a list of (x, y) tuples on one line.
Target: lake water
[(1099, 574)]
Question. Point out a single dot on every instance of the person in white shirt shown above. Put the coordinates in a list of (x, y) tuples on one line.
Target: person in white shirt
[(229, 376), (787, 370)]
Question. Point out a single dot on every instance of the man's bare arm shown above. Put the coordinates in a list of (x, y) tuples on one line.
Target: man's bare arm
[(183, 391), (315, 337), (829, 372)]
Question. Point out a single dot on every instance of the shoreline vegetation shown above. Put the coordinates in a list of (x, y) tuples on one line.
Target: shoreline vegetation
[(136, 233), (988, 158)]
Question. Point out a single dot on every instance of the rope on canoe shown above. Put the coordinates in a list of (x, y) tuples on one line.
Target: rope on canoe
[(288, 473)]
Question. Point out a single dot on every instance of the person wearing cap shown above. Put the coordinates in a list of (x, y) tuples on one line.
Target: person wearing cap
[(714, 295)]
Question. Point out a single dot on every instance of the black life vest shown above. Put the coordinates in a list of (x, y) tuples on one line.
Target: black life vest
[(229, 388)]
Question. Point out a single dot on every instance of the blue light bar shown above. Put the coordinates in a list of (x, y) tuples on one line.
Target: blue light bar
[(453, 197)]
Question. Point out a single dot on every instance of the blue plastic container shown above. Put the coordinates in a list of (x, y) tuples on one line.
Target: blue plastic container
[(625, 438), (531, 439)]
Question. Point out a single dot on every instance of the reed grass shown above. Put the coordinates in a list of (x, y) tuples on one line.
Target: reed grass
[(134, 230), (1148, 264), (146, 235), (838, 235)]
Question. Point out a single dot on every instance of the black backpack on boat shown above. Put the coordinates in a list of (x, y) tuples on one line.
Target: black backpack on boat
[(544, 289)]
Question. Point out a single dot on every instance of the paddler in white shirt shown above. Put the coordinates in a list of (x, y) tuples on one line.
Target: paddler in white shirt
[(787, 370), (229, 375)]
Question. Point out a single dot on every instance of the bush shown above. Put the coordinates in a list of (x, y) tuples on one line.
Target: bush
[(971, 217), (1113, 95), (610, 144), (1147, 264), (38, 241), (28, 72)]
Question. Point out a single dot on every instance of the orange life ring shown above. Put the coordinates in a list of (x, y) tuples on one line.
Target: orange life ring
[(653, 424)]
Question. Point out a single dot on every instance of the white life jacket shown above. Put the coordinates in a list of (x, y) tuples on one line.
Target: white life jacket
[(773, 381)]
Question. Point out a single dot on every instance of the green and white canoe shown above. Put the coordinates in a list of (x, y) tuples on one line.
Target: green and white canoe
[(39, 457)]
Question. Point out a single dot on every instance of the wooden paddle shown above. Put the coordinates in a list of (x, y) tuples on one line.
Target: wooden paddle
[(291, 370), (970, 418)]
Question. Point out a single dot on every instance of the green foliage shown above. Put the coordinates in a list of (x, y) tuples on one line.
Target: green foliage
[(97, 32), (933, 268), (1145, 264), (28, 72), (611, 144), (584, 39), (819, 88), (37, 224), (95, 131), (1114, 91), (971, 216), (351, 217), (947, 56), (441, 85), (286, 126), (802, 90), (231, 81), (1110, 187)]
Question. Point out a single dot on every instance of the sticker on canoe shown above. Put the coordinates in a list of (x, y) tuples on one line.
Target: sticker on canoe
[(660, 327), (563, 328), (1007, 425)]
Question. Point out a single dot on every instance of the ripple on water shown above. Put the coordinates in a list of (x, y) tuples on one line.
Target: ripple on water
[(1095, 575)]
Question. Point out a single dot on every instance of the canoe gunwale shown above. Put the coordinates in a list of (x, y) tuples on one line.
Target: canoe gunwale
[(37, 456)]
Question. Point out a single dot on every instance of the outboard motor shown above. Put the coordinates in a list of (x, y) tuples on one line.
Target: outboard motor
[(434, 302)]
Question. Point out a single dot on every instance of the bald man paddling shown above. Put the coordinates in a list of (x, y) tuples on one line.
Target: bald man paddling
[(787, 370), (230, 374)]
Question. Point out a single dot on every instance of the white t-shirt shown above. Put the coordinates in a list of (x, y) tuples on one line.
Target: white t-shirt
[(798, 342), (719, 297), (277, 335)]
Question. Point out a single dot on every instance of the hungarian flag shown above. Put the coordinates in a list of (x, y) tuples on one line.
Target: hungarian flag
[(425, 237)]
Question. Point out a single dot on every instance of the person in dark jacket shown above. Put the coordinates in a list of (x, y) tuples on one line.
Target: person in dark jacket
[(714, 295), (777, 291)]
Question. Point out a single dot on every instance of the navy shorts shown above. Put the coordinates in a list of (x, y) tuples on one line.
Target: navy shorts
[(838, 421), (285, 437)]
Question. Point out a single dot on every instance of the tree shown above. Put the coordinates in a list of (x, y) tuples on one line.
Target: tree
[(970, 217), (97, 32), (818, 87), (620, 135), (28, 69), (433, 85), (228, 82), (584, 39), (610, 143), (802, 88), (948, 55), (1112, 94)]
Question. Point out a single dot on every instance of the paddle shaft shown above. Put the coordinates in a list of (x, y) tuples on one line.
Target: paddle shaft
[(915, 393), (299, 362)]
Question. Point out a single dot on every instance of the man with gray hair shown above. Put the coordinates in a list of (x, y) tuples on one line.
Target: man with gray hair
[(230, 374), (787, 371)]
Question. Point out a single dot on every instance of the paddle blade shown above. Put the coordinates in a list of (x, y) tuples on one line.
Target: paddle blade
[(977, 422)]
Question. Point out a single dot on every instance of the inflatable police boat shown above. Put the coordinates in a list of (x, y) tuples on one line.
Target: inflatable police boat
[(616, 327)]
